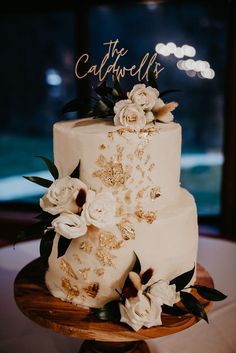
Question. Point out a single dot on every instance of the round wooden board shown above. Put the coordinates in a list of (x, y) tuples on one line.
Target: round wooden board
[(36, 302)]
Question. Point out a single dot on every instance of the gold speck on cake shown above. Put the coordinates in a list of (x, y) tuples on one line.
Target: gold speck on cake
[(120, 151), (150, 130), (99, 271), (130, 157), (84, 272), (104, 256), (139, 152), (147, 159), (155, 192), (120, 209), (110, 135), (86, 247), (71, 291), (127, 197), (127, 229), (149, 179), (124, 130), (108, 240), (92, 289), (151, 167), (67, 269), (101, 161), (149, 216), (102, 146), (141, 192)]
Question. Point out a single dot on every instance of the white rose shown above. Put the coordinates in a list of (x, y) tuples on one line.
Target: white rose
[(144, 96), (99, 209), (129, 114), (141, 311), (61, 196), (70, 225), (164, 292), (149, 117)]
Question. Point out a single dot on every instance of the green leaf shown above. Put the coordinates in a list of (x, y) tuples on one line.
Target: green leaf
[(74, 105), (63, 245), (152, 79), (33, 230), (103, 90), (46, 245), (51, 166), (46, 217), (209, 293), (173, 310), (76, 172), (100, 108), (182, 280), (137, 265), (40, 181), (109, 312), (193, 305)]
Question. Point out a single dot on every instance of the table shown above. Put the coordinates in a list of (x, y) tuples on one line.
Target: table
[(218, 256)]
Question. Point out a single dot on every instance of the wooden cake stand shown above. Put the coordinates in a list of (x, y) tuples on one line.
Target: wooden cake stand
[(35, 301)]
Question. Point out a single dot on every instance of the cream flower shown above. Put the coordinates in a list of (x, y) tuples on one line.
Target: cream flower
[(129, 114), (144, 96), (162, 111), (141, 311), (61, 196), (164, 292), (70, 225), (99, 209)]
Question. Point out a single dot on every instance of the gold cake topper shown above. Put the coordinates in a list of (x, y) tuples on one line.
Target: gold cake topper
[(110, 64)]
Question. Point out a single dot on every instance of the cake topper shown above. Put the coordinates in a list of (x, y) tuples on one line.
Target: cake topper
[(113, 55)]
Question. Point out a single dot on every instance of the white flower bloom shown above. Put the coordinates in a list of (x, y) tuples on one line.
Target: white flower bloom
[(129, 114), (144, 96), (164, 292), (149, 117), (162, 111), (61, 196), (70, 225), (141, 311), (99, 209)]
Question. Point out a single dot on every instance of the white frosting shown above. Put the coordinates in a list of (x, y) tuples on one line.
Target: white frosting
[(155, 218)]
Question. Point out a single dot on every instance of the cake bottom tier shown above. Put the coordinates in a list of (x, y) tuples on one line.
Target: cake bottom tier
[(96, 265)]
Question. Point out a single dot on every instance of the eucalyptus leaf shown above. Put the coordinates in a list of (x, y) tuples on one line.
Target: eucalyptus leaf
[(31, 231), (74, 105), (109, 312), (51, 166), (63, 245), (173, 310), (193, 305), (209, 293), (181, 281), (152, 79), (100, 107), (76, 172), (40, 181), (46, 245)]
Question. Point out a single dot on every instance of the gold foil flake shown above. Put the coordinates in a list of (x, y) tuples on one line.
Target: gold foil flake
[(149, 216), (110, 135), (147, 159), (101, 161), (71, 291), (67, 269), (120, 211), (102, 146), (92, 289), (151, 167), (155, 193), (84, 272), (149, 179), (138, 167), (127, 197), (127, 229), (99, 271), (108, 240), (104, 257), (139, 152), (113, 174), (150, 130), (86, 247), (141, 192), (124, 130)]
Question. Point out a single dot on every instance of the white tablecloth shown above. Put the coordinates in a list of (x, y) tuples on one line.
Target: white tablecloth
[(17, 332)]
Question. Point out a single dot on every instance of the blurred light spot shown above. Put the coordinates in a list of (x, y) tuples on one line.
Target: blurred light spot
[(53, 78)]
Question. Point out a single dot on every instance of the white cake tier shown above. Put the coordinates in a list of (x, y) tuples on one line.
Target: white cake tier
[(95, 265), (141, 169)]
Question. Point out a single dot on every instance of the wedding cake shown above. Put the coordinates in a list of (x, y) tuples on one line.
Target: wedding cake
[(125, 207)]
